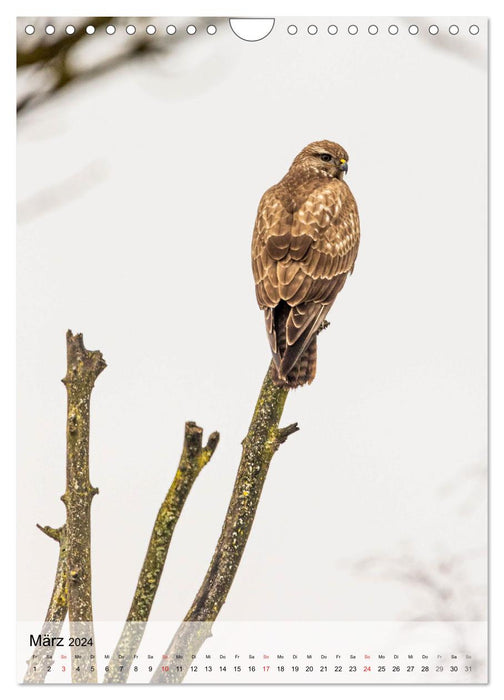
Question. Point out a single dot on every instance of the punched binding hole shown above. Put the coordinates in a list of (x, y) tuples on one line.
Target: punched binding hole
[(353, 29), (473, 29), (171, 29), (29, 29), (373, 29), (292, 29)]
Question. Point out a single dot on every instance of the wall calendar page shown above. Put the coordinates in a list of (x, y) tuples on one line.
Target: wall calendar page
[(252, 350)]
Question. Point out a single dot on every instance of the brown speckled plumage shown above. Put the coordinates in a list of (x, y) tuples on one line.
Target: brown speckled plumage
[(305, 243)]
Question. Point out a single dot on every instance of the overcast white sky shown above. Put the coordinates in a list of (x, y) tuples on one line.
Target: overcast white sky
[(137, 196)]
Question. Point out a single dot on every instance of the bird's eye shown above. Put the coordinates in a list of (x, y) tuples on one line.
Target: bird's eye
[(325, 157)]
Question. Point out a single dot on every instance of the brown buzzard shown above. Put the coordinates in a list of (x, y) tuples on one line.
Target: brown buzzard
[(305, 243)]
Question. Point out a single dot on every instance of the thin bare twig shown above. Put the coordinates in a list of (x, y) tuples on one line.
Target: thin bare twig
[(42, 659)]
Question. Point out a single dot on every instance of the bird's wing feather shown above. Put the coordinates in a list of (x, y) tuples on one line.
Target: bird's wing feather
[(270, 242)]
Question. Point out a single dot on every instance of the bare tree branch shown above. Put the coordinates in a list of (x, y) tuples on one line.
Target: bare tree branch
[(83, 368), (262, 440), (50, 48), (53, 56), (194, 457)]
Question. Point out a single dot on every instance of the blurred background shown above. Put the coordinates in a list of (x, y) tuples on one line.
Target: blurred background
[(141, 161)]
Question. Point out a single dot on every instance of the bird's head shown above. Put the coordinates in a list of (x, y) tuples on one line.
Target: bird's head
[(325, 158)]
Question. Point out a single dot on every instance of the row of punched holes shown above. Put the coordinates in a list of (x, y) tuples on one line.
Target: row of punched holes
[(292, 29)]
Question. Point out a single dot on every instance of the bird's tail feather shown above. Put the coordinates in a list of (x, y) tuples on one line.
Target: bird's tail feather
[(303, 372), (294, 365)]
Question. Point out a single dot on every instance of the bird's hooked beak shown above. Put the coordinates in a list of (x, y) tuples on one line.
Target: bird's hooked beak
[(343, 165)]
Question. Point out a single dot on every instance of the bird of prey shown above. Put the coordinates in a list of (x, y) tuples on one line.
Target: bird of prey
[(305, 243)]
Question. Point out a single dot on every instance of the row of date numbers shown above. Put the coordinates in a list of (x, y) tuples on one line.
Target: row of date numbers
[(322, 669), (293, 669)]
